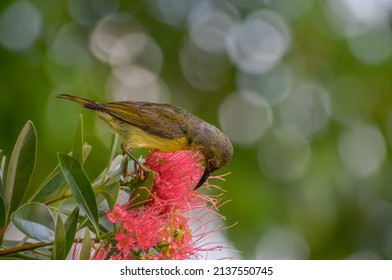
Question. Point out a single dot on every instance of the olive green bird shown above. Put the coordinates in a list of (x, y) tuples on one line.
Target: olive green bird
[(162, 127)]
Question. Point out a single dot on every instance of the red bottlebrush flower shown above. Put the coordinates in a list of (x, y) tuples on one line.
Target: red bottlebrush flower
[(141, 229), (118, 214), (156, 233), (101, 252), (175, 176), (181, 169), (160, 229)]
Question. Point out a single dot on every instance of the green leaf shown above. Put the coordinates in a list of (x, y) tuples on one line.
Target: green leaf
[(35, 220), (112, 153), (2, 169), (114, 171), (21, 167), (3, 218), (86, 246), (55, 185), (59, 241), (80, 186), (110, 193), (77, 151), (70, 229)]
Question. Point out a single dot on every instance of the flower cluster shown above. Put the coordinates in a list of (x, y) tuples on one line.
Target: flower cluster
[(160, 227), (150, 233), (175, 176)]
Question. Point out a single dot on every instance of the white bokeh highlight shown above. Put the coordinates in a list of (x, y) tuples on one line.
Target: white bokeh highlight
[(20, 26), (307, 109), (245, 116), (108, 40), (282, 243), (274, 85), (362, 149), (284, 155), (259, 43), (136, 84)]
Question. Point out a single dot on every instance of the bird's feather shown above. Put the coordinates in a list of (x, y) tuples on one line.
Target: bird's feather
[(159, 119)]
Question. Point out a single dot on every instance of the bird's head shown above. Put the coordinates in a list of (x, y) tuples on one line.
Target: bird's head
[(217, 155)]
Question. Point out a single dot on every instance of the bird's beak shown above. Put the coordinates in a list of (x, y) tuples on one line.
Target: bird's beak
[(203, 178)]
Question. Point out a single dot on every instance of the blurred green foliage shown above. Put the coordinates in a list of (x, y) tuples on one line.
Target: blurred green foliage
[(301, 87)]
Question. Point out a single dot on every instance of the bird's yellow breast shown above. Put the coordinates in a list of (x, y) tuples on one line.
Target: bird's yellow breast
[(134, 137), (138, 138)]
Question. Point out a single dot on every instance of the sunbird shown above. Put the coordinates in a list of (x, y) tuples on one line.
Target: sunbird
[(162, 127)]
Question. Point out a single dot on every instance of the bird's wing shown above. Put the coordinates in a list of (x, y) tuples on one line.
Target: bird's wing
[(163, 120)]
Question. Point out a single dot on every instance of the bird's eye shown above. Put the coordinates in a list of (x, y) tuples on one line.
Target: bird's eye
[(211, 165)]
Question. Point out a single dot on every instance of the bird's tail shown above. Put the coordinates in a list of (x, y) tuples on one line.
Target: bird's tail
[(89, 104)]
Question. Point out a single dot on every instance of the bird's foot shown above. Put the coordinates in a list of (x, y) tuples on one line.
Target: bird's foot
[(139, 173)]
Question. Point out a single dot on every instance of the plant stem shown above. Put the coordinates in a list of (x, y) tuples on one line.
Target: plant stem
[(26, 247), (31, 247)]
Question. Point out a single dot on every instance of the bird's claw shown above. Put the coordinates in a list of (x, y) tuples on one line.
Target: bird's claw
[(139, 173)]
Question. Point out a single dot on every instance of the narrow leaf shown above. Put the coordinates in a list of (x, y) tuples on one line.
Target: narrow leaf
[(77, 152), (35, 220), (112, 153), (80, 186), (21, 167), (110, 193), (59, 241), (114, 170), (2, 219), (70, 229), (2, 169), (55, 185), (86, 246)]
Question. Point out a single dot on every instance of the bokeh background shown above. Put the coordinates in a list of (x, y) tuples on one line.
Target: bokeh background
[(302, 88)]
